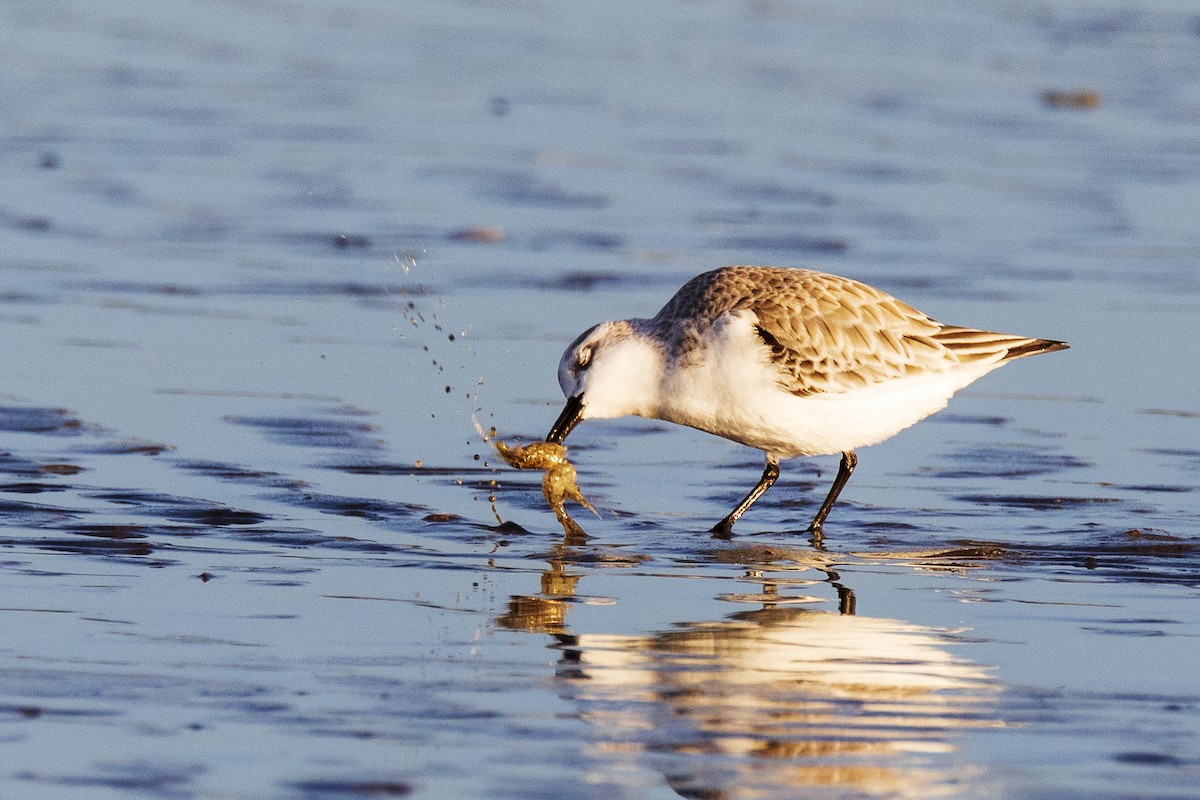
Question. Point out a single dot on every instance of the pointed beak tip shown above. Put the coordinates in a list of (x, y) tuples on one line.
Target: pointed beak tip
[(572, 415)]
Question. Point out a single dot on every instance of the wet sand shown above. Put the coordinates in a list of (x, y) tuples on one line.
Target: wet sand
[(261, 265)]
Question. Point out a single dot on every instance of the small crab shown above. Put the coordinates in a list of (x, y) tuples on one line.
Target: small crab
[(558, 484)]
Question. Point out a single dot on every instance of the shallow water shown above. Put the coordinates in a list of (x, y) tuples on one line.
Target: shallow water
[(261, 264)]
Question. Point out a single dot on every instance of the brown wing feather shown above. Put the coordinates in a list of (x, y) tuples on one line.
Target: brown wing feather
[(829, 334)]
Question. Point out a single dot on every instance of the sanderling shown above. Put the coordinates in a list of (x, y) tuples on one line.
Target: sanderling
[(789, 361)]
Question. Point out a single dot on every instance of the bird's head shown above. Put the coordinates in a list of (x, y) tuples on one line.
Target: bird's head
[(611, 370)]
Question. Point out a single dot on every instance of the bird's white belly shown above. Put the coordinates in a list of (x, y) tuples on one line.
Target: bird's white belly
[(732, 392)]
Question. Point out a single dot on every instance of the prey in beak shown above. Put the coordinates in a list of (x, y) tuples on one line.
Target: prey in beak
[(572, 415)]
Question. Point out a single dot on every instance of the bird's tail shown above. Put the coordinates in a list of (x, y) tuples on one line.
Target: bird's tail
[(972, 345), (1033, 347)]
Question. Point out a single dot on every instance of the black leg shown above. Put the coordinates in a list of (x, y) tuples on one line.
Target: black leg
[(849, 462), (846, 601), (724, 528)]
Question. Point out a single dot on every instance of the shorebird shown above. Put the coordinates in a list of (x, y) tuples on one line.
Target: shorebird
[(792, 362)]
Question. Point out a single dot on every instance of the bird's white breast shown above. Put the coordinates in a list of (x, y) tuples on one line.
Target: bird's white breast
[(732, 390)]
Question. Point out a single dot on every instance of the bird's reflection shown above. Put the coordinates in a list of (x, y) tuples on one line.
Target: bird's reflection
[(767, 701), (547, 612)]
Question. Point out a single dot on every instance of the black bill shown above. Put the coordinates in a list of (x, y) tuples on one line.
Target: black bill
[(571, 416)]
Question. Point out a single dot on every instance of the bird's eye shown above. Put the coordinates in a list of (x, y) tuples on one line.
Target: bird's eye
[(583, 357)]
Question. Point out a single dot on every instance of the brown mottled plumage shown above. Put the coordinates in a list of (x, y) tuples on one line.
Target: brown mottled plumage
[(829, 334)]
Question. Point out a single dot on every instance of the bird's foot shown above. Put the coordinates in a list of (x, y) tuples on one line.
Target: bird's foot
[(722, 530)]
